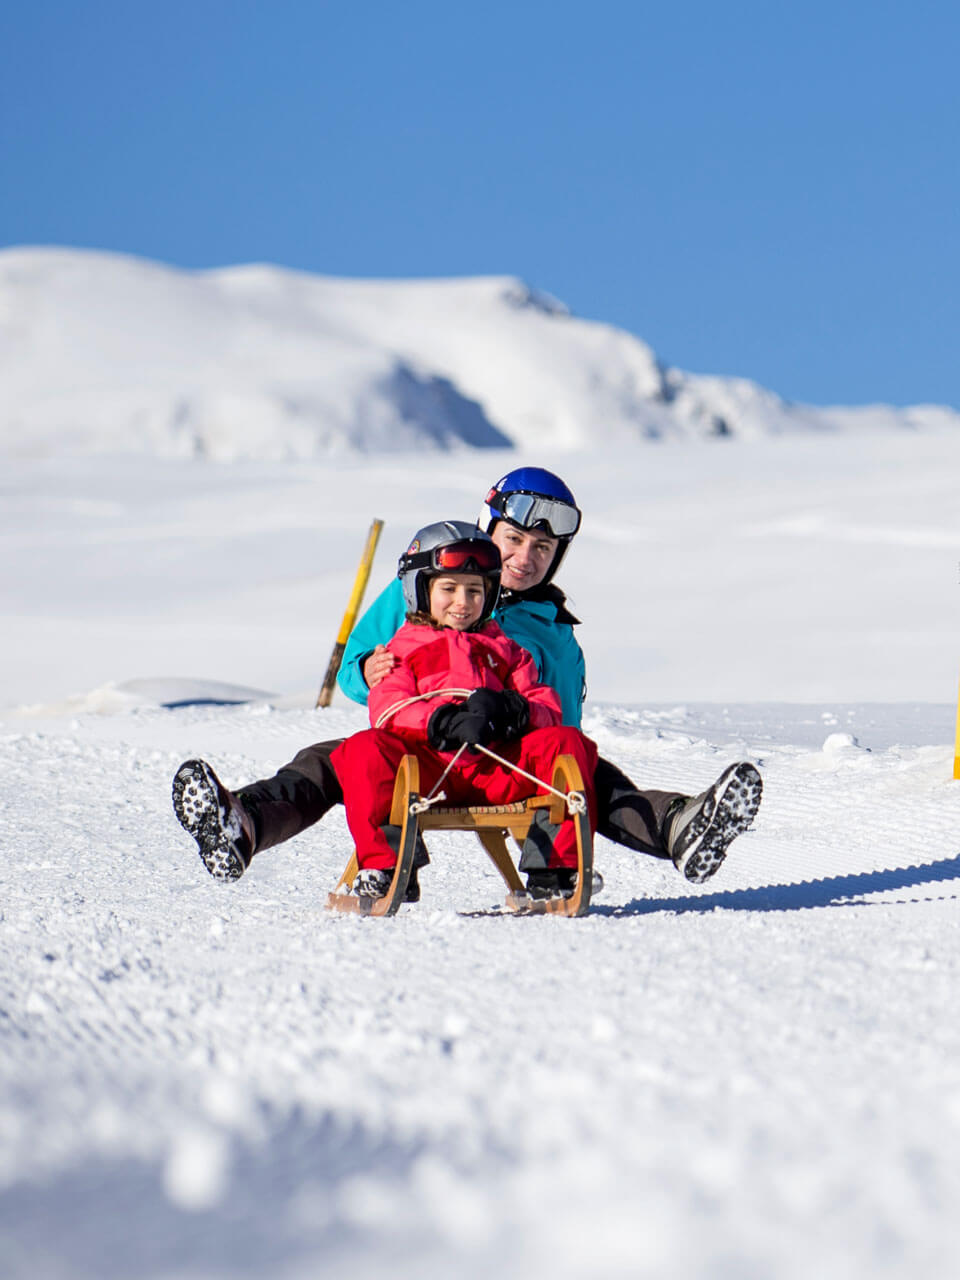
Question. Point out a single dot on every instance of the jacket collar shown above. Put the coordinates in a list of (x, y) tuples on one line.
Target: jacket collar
[(421, 619), (543, 593)]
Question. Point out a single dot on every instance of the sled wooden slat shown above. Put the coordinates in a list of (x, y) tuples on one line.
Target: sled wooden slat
[(491, 824), (513, 818), (520, 806)]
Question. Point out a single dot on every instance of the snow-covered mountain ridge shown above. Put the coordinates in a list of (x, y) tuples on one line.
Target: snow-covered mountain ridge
[(105, 353)]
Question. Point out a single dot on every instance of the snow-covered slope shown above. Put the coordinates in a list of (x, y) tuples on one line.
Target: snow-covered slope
[(758, 1078), (209, 1082), (100, 352), (775, 570)]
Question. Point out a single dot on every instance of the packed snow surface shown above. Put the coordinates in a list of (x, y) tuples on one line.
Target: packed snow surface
[(759, 1077)]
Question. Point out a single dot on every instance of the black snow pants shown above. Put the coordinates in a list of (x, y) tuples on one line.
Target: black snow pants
[(628, 816), (300, 793)]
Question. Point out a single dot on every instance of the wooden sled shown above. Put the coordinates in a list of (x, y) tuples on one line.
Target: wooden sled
[(491, 823)]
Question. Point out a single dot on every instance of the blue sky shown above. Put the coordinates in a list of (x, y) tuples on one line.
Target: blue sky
[(756, 189)]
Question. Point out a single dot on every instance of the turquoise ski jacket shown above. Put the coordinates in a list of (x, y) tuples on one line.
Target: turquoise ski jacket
[(539, 625)]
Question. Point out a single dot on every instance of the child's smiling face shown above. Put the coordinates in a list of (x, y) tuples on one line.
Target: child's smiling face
[(456, 599)]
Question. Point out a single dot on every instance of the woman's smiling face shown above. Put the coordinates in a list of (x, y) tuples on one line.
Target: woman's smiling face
[(526, 557)]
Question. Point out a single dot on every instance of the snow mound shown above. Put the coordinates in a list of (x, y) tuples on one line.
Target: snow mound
[(117, 697), (105, 353)]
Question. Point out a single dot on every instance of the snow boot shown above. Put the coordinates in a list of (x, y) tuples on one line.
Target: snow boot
[(698, 831), (559, 883), (544, 883), (372, 883), (217, 821), (596, 882)]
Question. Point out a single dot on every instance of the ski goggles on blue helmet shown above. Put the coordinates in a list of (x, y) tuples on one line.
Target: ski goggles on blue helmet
[(536, 511)]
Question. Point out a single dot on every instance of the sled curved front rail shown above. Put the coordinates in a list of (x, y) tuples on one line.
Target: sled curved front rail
[(405, 792)]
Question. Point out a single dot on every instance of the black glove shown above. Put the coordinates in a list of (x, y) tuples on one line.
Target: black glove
[(455, 725), (507, 712), (488, 715)]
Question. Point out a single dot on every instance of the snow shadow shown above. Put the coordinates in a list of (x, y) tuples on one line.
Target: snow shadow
[(204, 702), (831, 891)]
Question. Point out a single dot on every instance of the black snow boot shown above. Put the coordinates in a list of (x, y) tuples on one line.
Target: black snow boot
[(215, 818), (559, 883), (372, 883), (544, 883), (698, 831)]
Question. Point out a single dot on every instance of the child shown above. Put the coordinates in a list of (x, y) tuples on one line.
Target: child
[(459, 680)]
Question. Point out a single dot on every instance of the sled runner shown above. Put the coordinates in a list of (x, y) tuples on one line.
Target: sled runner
[(413, 815)]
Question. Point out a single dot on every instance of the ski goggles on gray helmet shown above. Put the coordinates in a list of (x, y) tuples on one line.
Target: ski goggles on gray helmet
[(533, 511), (455, 557)]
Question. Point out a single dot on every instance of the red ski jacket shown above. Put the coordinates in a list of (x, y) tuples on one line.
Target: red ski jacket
[(439, 664)]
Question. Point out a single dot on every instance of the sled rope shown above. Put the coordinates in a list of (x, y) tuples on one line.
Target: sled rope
[(384, 716), (574, 800), (435, 796)]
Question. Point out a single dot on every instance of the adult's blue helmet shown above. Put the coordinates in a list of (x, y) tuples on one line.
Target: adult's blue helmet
[(533, 500)]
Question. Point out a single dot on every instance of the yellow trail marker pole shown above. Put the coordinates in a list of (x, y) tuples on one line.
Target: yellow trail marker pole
[(956, 749), (325, 696)]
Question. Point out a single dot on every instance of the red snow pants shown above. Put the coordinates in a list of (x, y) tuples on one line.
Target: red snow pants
[(367, 764)]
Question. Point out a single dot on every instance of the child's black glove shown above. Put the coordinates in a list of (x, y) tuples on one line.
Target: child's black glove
[(508, 712), (488, 715), (455, 725)]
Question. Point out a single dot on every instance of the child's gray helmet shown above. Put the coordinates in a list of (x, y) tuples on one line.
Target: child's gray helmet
[(449, 546)]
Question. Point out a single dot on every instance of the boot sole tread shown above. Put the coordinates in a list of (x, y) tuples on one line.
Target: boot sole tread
[(735, 810), (196, 803)]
